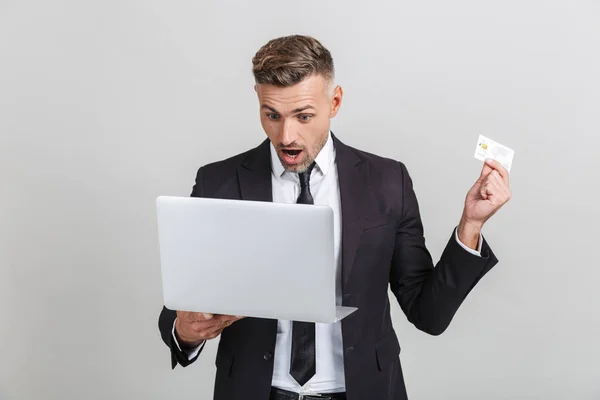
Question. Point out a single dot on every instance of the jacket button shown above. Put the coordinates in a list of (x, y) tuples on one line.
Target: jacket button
[(268, 355)]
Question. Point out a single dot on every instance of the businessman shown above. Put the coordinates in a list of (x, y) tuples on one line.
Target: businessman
[(378, 244)]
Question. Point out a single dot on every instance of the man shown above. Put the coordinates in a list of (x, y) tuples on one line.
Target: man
[(378, 242)]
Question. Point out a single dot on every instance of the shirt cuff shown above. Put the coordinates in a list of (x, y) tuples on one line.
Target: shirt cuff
[(474, 252), (191, 353)]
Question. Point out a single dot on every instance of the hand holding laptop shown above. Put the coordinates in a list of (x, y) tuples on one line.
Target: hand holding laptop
[(194, 327)]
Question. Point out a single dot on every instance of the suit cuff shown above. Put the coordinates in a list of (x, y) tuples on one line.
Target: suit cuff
[(190, 353), (474, 252)]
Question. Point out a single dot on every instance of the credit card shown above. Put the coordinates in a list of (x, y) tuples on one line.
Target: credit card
[(487, 148)]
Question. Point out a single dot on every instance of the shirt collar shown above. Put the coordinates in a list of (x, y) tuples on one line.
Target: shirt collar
[(324, 158)]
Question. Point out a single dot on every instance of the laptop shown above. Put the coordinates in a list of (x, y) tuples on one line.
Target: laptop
[(248, 258)]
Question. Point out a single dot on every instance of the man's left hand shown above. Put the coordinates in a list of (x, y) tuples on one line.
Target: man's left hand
[(486, 197)]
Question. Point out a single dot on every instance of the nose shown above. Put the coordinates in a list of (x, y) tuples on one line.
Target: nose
[(288, 135)]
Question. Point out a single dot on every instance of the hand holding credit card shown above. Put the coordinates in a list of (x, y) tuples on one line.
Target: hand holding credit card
[(487, 148), (489, 193)]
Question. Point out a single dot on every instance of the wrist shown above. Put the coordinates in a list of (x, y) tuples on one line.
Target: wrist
[(469, 232)]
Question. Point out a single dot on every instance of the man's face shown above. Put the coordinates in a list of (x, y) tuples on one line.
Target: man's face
[(296, 118)]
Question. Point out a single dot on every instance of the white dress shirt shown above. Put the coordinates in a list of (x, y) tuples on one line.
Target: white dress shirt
[(324, 188)]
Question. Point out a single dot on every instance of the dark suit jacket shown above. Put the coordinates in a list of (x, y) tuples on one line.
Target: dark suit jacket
[(382, 244)]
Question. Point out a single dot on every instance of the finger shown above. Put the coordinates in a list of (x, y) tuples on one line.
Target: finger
[(204, 332), (485, 171), (200, 317), (219, 322), (191, 330), (483, 191), (491, 192), (226, 317), (213, 334), (496, 166), (226, 320), (190, 316), (199, 326), (496, 191), (216, 330), (200, 323), (207, 326), (492, 184), (226, 323), (496, 178), (503, 192)]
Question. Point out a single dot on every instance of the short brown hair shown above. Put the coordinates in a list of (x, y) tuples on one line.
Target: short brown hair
[(287, 60)]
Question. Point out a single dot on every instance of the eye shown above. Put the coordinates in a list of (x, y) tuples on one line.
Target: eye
[(304, 117), (273, 117)]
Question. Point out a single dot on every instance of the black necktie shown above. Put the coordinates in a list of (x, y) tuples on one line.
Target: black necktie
[(303, 359)]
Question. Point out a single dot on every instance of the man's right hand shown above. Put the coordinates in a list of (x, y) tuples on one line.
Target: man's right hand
[(193, 328)]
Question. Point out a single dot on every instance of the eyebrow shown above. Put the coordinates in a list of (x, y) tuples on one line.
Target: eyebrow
[(295, 111), (298, 110), (269, 108)]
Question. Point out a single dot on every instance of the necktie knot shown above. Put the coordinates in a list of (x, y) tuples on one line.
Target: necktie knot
[(305, 176)]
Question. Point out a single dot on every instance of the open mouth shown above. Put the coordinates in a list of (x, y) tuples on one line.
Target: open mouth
[(291, 155)]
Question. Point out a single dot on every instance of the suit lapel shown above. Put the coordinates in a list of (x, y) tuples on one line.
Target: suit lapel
[(254, 174), (352, 175)]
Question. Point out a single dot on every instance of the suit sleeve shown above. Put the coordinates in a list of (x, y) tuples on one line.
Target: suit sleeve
[(165, 325), (167, 316), (431, 295)]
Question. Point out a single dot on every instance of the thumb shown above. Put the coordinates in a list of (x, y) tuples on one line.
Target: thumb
[(207, 315)]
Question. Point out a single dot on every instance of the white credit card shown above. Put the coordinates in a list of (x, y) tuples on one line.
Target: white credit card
[(487, 148)]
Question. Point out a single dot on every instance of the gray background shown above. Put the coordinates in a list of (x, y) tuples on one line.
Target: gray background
[(105, 105)]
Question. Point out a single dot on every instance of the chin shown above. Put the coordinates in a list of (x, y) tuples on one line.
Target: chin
[(300, 167)]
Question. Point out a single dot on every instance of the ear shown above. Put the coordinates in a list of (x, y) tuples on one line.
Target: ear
[(336, 101)]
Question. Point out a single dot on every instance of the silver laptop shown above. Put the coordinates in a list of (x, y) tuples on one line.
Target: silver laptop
[(248, 258)]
